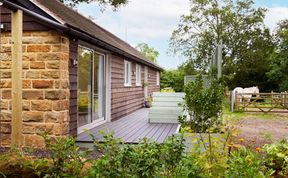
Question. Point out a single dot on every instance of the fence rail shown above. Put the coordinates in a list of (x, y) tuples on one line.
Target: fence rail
[(260, 102)]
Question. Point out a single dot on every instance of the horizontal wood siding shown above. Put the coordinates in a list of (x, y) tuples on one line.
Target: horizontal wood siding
[(125, 100), (73, 55), (152, 81), (29, 24)]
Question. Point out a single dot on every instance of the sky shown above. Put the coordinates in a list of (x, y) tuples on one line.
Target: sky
[(153, 21)]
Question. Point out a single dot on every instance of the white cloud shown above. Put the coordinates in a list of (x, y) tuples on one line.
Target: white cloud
[(275, 15), (152, 21), (144, 19)]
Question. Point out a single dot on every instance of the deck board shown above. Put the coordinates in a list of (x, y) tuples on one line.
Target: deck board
[(132, 128)]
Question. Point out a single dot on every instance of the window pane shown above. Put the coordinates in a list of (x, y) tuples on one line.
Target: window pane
[(84, 86)]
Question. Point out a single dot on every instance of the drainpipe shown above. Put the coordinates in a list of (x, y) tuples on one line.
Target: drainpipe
[(73, 32)]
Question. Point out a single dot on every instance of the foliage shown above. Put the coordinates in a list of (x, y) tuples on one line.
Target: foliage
[(246, 42), (279, 58), (169, 90), (149, 52), (67, 159), (245, 163), (211, 151), (14, 163), (277, 157), (203, 106), (212, 156), (114, 3), (175, 78), (147, 159)]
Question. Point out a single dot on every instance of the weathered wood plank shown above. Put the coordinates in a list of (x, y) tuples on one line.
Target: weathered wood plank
[(133, 128), (17, 33)]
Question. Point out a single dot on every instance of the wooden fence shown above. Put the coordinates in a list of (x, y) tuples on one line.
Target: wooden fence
[(262, 102)]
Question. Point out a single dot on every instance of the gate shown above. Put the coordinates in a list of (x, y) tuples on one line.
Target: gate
[(261, 102)]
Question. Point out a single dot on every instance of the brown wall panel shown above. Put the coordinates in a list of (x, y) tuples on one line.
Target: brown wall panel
[(73, 72), (29, 24), (125, 100)]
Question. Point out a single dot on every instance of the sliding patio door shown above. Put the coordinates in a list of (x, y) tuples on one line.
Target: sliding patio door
[(91, 86)]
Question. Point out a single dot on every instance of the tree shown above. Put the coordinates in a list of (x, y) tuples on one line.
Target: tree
[(279, 58), (114, 3), (175, 78), (240, 27), (149, 52)]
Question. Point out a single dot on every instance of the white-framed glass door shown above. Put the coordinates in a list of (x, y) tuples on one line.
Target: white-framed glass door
[(91, 86)]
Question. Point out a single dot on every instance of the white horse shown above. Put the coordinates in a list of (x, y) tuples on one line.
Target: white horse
[(243, 90), (250, 90), (237, 90)]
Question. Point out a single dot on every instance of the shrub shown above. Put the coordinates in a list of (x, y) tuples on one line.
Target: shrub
[(67, 159), (202, 105), (146, 159), (277, 157), (245, 163)]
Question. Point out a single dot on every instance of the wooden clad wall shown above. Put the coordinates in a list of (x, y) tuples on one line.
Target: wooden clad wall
[(152, 81), (29, 24), (125, 100), (73, 73)]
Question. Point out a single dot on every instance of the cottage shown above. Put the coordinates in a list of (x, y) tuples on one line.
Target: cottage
[(74, 73)]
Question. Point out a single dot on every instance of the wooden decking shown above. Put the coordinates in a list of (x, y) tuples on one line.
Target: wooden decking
[(132, 128)]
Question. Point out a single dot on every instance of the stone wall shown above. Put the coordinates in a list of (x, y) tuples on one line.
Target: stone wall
[(45, 86)]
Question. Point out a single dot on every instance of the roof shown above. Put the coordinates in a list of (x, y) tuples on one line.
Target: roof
[(67, 16)]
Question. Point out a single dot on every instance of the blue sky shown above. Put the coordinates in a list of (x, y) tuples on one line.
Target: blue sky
[(152, 22)]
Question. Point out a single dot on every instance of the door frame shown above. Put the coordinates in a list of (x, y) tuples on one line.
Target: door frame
[(107, 87)]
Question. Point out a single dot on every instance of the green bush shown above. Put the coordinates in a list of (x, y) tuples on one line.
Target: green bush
[(146, 159), (277, 157), (203, 105), (245, 163)]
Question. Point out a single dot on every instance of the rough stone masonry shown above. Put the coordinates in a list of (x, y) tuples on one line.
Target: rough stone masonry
[(45, 86)]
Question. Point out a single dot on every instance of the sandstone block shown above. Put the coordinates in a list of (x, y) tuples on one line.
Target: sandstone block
[(53, 65), (5, 115), (60, 105), (32, 94), (42, 83), (55, 94), (41, 105), (37, 65), (26, 84), (6, 94), (5, 84), (38, 48), (32, 75), (26, 105), (32, 140), (5, 128), (25, 65), (4, 104), (5, 74), (29, 56), (53, 74), (49, 56), (5, 64), (32, 116)]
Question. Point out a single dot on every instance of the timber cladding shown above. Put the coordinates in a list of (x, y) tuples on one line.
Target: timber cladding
[(125, 100), (73, 80), (29, 24), (45, 86)]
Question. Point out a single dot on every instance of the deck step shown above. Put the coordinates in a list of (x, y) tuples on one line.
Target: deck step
[(166, 107)]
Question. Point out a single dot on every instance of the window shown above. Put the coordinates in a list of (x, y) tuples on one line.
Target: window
[(157, 78), (127, 73), (138, 75)]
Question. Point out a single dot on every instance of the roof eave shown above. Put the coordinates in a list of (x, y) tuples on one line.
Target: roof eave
[(76, 32)]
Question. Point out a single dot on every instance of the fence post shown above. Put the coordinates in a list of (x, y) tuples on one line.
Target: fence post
[(231, 102)]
